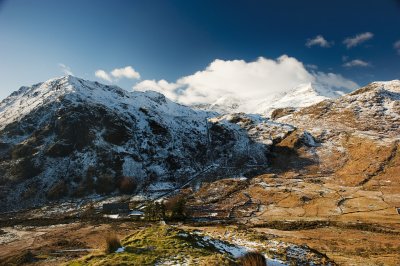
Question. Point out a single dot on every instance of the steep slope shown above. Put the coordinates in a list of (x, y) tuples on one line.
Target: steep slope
[(346, 168), (362, 131), (68, 137), (358, 148), (344, 183)]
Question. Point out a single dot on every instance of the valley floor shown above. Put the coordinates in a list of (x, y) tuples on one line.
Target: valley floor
[(343, 243)]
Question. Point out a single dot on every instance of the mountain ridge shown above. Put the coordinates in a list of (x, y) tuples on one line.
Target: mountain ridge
[(68, 137), (71, 138), (300, 96)]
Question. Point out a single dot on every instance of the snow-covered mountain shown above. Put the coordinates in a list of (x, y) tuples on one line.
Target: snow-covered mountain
[(225, 105), (359, 137), (69, 137), (372, 110), (301, 96), (352, 173)]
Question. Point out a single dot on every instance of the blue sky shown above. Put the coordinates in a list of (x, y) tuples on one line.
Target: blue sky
[(168, 40)]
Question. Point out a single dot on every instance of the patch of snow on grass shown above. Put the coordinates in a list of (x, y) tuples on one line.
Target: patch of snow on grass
[(120, 250), (112, 216)]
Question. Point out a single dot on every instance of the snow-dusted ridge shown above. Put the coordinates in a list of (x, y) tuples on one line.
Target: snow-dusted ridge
[(373, 111), (391, 85), (301, 96), (75, 90)]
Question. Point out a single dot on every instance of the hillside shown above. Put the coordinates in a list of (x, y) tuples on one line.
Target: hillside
[(72, 138), (345, 183), (320, 180), (347, 169)]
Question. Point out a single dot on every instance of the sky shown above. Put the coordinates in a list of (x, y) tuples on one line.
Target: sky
[(197, 51)]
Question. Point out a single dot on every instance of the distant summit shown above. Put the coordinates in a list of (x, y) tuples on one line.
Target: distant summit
[(301, 96)]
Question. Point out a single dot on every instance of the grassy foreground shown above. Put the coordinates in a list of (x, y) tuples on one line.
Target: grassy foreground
[(160, 245)]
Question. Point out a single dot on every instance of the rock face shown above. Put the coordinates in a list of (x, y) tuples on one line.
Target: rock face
[(69, 137)]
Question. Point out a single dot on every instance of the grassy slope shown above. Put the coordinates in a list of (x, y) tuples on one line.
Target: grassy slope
[(158, 244)]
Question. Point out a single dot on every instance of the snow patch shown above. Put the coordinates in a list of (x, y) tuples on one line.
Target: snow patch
[(120, 250)]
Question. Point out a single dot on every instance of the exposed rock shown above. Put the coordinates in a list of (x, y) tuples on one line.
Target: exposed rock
[(280, 112)]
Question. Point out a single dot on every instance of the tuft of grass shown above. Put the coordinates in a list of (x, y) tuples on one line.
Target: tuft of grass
[(253, 259), (112, 243)]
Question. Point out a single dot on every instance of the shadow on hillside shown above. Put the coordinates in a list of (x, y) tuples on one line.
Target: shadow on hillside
[(283, 159)]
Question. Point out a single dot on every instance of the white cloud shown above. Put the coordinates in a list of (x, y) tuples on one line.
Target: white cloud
[(103, 75), (257, 80), (396, 46), (126, 72), (356, 40), (65, 69), (117, 73), (161, 86), (357, 63), (243, 79), (318, 40), (336, 81)]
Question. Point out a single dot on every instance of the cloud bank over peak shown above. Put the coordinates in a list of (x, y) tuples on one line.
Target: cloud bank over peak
[(257, 80)]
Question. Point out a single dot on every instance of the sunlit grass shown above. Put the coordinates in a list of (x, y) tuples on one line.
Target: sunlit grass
[(157, 244)]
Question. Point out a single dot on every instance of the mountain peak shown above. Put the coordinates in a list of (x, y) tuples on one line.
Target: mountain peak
[(394, 82), (303, 95), (378, 87), (392, 85), (71, 90), (372, 110), (57, 91)]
